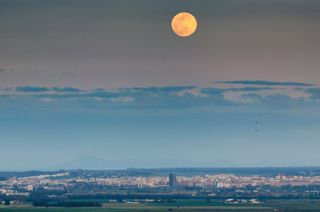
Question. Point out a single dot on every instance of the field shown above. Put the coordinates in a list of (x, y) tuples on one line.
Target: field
[(184, 206), (139, 209)]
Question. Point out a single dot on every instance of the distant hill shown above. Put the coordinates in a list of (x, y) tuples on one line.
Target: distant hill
[(86, 173), (267, 171)]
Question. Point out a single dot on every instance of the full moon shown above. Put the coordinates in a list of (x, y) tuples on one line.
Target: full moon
[(184, 24)]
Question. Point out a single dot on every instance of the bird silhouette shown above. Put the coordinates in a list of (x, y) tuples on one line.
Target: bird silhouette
[(256, 130)]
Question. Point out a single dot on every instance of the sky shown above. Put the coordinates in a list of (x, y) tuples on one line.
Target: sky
[(107, 84)]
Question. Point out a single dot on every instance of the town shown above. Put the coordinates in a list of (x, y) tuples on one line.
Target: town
[(115, 186)]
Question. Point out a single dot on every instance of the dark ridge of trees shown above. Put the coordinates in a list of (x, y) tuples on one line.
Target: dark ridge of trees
[(74, 204), (131, 196)]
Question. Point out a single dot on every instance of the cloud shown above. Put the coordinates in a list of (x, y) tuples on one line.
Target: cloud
[(173, 97), (31, 89), (252, 89), (34, 89), (252, 95), (212, 91), (166, 89), (193, 92), (65, 89), (265, 83), (314, 93), (123, 99), (275, 101), (238, 97)]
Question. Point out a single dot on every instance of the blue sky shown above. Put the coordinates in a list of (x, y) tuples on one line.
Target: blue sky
[(161, 126)]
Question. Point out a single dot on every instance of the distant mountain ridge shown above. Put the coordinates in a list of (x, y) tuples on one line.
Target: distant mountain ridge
[(261, 171)]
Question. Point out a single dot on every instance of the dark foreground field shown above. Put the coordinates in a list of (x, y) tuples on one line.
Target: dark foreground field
[(184, 206), (137, 209)]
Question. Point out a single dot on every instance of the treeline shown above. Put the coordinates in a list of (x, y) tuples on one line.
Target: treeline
[(46, 203), (132, 196)]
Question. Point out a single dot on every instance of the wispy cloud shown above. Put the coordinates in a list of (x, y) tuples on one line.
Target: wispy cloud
[(123, 99), (265, 83), (175, 97), (248, 89), (65, 89), (32, 89), (314, 93)]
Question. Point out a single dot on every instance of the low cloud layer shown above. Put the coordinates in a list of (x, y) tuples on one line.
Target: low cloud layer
[(237, 93), (266, 83)]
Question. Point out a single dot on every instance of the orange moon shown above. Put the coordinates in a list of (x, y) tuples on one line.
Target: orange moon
[(184, 24)]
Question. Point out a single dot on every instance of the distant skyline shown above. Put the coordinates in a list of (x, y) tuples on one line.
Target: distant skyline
[(107, 84)]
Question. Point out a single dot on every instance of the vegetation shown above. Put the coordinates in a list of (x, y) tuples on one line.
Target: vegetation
[(180, 206)]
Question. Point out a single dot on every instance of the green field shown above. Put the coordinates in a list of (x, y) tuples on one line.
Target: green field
[(183, 206)]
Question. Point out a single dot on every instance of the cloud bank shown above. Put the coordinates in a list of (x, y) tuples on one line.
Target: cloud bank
[(236, 94)]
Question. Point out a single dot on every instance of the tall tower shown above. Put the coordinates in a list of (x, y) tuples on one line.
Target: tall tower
[(172, 179)]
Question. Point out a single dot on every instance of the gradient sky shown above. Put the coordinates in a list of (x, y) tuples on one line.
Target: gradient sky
[(107, 84)]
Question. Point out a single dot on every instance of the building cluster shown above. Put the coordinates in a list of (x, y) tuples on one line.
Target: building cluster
[(238, 181), (25, 185)]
